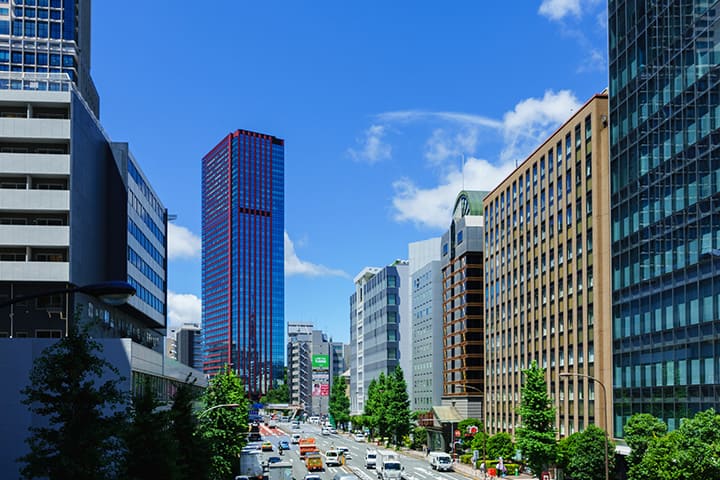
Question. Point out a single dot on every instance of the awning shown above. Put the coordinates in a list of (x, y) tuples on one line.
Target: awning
[(447, 414)]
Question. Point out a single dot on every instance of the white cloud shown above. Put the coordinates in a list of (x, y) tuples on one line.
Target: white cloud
[(533, 120), (182, 243), (295, 266), (442, 146), (594, 62), (183, 308), (558, 9), (457, 117), (432, 207), (372, 148)]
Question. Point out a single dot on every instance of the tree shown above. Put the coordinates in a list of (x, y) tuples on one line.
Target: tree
[(79, 393), (479, 443), (397, 413), (339, 403), (640, 430), (582, 454), (151, 448), (464, 427), (689, 452), (536, 435), (279, 394), (193, 448), (225, 428), (375, 406), (500, 445)]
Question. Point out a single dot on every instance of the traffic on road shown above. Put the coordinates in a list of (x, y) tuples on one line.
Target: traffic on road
[(339, 456)]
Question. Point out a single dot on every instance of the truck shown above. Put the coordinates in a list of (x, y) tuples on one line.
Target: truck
[(440, 461), (313, 461), (251, 464), (388, 465), (280, 471), (307, 445)]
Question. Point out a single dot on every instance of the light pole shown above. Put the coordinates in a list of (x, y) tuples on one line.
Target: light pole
[(483, 425), (573, 374), (113, 293), (222, 405)]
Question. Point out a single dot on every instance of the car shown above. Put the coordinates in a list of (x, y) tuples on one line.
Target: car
[(273, 460), (266, 447), (295, 438), (295, 425), (332, 430), (344, 476), (325, 431), (333, 457), (312, 476), (370, 458), (242, 477), (359, 437), (284, 445)]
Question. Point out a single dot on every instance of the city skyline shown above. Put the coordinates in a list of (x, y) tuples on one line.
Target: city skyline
[(378, 105)]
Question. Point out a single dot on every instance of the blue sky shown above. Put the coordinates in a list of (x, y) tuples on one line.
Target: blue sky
[(377, 101)]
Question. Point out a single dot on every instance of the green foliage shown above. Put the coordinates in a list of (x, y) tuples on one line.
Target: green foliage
[(419, 438), (387, 408), (640, 430), (339, 403), (536, 436), (466, 438), (479, 443), (224, 428), (692, 451), (193, 448), (500, 445), (79, 393), (582, 455), (152, 450), (279, 394)]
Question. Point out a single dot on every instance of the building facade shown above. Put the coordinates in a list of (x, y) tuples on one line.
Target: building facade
[(547, 276), (463, 307), (49, 36), (299, 363), (665, 175), (243, 258), (188, 341), (376, 311), (426, 324)]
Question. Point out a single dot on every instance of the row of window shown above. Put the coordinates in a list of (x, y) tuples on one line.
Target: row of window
[(145, 269), (144, 294), (147, 219), (145, 242), (145, 189)]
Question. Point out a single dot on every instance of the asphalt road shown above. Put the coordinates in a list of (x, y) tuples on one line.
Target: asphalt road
[(415, 468)]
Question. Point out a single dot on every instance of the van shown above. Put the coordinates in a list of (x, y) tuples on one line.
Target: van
[(370, 458), (440, 461), (333, 457)]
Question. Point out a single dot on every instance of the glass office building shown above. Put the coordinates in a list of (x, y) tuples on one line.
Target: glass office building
[(665, 233), (49, 36), (243, 258)]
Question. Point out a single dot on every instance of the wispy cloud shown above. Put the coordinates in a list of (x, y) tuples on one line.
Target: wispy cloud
[(182, 243), (594, 62), (457, 117), (534, 119), (432, 207), (559, 9), (295, 266), (371, 148), (442, 145), (183, 308)]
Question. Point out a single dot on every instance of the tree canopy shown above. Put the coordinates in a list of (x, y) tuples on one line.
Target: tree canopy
[(582, 455), (339, 403), (387, 408), (536, 435)]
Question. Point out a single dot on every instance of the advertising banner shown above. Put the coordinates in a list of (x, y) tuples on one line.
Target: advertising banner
[(320, 362), (321, 384)]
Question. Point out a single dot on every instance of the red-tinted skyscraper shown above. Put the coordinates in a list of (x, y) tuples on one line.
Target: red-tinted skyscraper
[(243, 258)]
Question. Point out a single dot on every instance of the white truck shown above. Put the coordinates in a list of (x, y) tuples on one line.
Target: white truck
[(280, 471), (440, 461), (251, 464), (388, 465)]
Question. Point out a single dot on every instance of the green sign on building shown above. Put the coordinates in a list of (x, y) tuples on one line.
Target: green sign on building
[(321, 361)]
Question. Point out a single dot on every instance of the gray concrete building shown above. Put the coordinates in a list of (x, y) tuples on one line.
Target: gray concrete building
[(188, 339), (377, 309), (299, 367), (427, 323)]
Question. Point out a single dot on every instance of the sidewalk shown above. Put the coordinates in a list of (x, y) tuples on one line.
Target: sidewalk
[(466, 470)]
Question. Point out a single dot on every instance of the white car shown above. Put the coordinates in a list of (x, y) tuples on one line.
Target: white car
[(333, 457), (325, 431), (359, 437)]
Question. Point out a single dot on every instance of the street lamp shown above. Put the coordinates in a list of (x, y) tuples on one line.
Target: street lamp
[(222, 405), (573, 374), (484, 427), (113, 293)]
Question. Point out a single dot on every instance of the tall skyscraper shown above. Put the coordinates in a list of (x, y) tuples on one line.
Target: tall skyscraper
[(463, 316), (665, 179), (243, 258), (547, 257), (49, 36)]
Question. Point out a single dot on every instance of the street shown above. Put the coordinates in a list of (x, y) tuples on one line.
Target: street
[(415, 468)]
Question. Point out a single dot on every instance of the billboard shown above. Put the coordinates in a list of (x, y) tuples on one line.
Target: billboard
[(320, 362), (321, 384)]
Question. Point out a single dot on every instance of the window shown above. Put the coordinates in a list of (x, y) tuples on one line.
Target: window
[(459, 237)]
